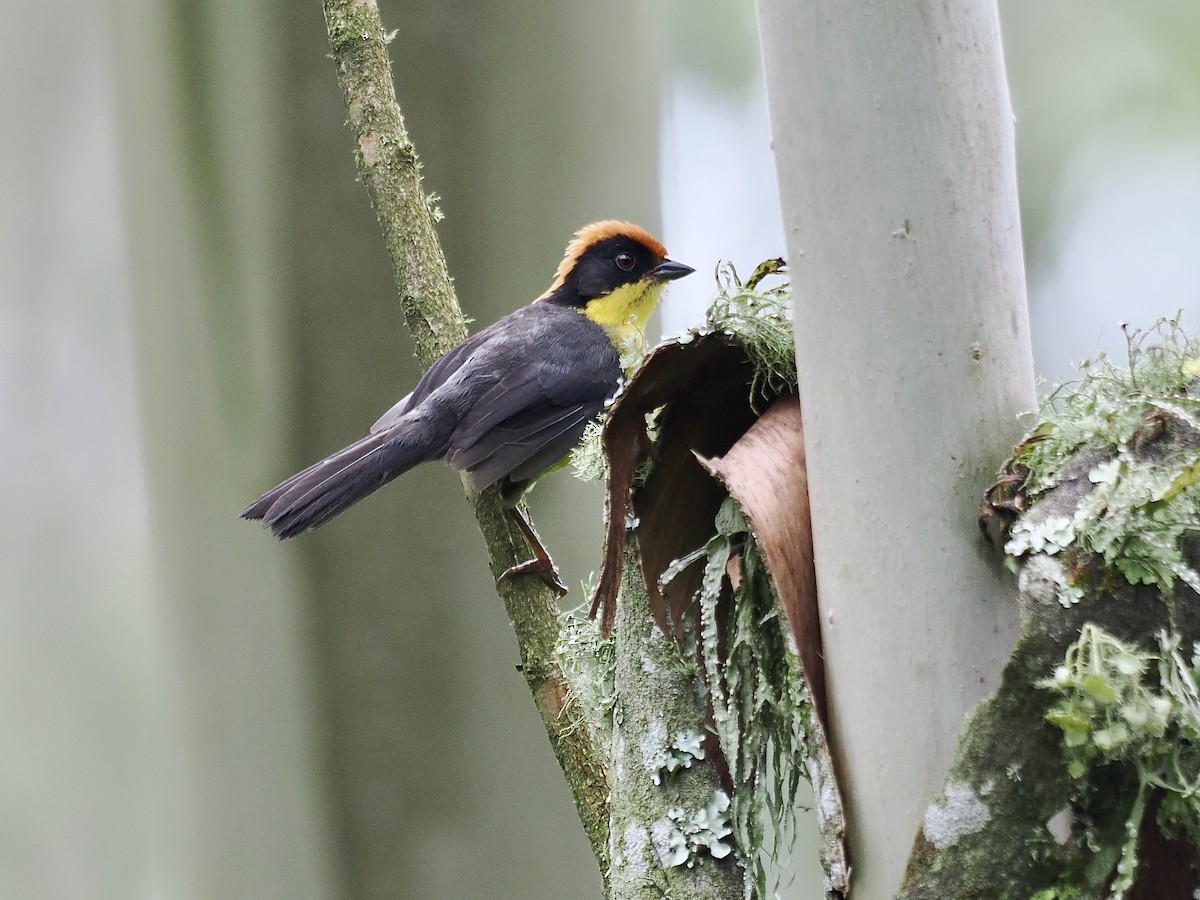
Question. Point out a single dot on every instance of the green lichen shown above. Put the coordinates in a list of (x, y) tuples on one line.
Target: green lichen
[(755, 689), (699, 833), (1121, 704), (588, 462), (347, 28), (587, 459), (1146, 499), (681, 753)]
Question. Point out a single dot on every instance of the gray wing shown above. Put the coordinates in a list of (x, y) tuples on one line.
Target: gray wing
[(537, 412)]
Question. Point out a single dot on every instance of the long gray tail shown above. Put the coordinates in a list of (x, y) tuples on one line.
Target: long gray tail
[(325, 489)]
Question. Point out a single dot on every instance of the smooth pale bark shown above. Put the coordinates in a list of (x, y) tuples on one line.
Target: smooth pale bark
[(893, 138)]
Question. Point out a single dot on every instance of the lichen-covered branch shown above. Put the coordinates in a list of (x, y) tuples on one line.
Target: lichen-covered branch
[(671, 830), (1007, 822), (388, 168), (533, 610)]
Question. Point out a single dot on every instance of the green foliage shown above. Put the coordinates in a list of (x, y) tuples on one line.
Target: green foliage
[(1145, 504), (761, 321), (757, 692), (1119, 704)]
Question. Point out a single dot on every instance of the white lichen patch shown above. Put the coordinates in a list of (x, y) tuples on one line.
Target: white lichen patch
[(633, 858), (670, 846), (654, 745), (1045, 580), (961, 812), (1050, 535), (1060, 825), (687, 747), (701, 832)]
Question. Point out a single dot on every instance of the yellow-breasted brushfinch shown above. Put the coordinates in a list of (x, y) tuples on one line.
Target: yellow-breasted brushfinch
[(508, 403)]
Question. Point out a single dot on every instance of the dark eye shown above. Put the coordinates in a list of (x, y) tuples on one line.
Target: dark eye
[(624, 261)]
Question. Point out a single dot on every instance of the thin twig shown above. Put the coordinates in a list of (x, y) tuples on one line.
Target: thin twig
[(388, 167)]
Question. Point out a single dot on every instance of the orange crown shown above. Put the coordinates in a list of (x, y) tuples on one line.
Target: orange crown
[(599, 231)]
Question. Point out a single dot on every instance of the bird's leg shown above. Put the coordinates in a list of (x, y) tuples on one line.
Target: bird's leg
[(541, 564)]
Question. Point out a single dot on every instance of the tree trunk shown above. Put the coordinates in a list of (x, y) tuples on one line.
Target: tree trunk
[(894, 148), (201, 134)]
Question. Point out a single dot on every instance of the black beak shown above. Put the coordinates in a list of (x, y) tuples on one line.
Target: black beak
[(669, 270)]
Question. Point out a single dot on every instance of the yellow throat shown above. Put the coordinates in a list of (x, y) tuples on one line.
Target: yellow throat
[(623, 313)]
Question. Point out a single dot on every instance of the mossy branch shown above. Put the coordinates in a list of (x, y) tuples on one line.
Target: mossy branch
[(1011, 820), (670, 812), (388, 168), (1077, 779)]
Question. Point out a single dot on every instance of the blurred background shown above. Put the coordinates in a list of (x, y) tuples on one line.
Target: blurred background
[(195, 301)]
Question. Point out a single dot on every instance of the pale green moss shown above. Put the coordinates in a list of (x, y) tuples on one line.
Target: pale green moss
[(1145, 503), (588, 661), (587, 459), (761, 321), (1121, 704)]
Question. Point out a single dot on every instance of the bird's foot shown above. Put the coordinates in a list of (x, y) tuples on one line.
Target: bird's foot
[(541, 564)]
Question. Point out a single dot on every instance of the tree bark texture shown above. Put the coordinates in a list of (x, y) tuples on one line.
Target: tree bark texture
[(659, 697)]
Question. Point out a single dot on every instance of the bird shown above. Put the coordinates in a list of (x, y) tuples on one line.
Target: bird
[(509, 403)]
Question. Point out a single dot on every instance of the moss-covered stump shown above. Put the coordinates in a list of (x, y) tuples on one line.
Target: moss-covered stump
[(713, 708), (1080, 778)]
